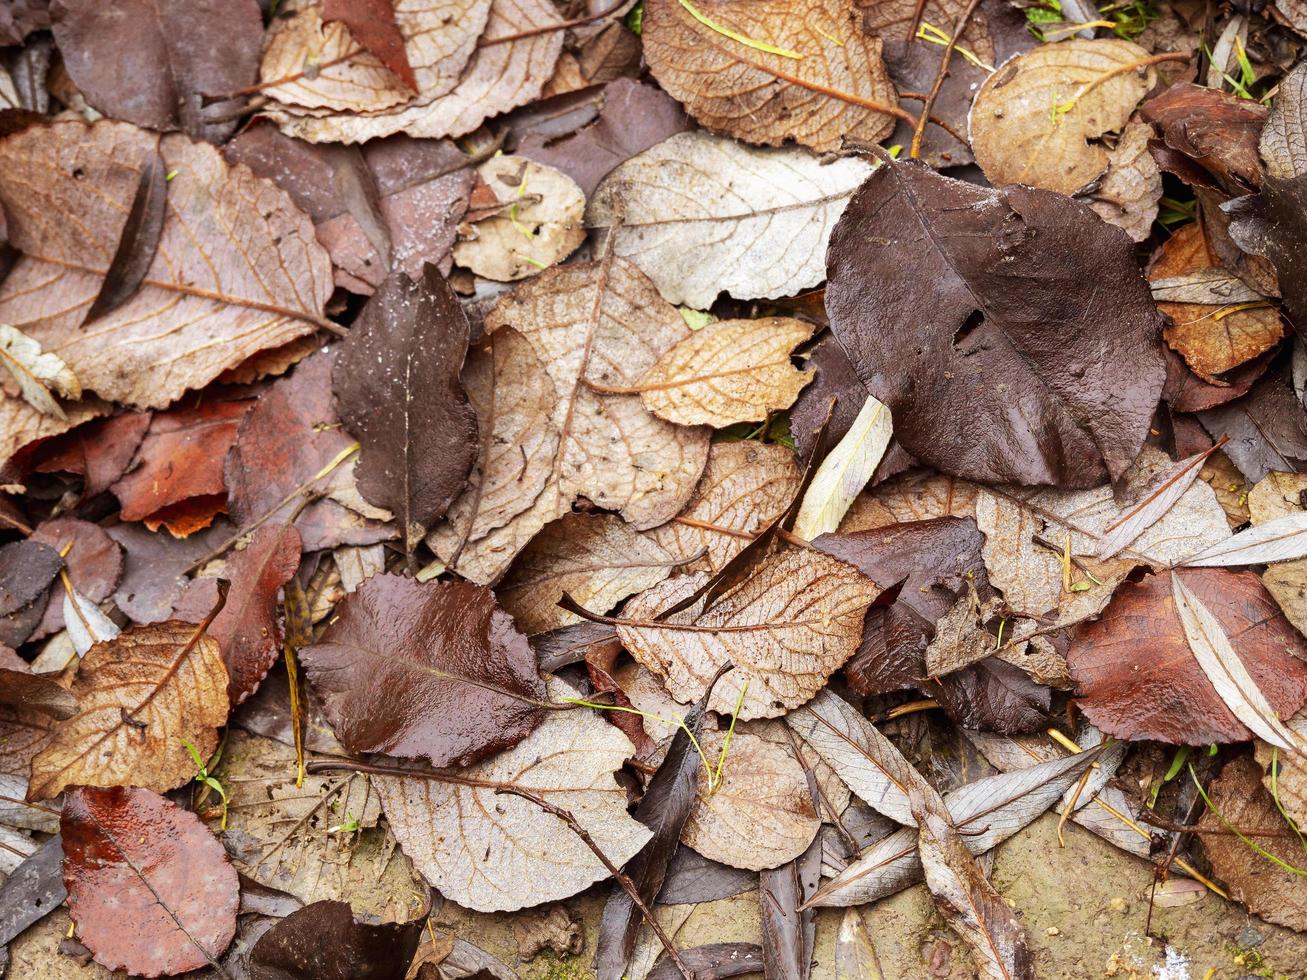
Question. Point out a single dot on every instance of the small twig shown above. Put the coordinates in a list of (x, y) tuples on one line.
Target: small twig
[(919, 134), (1153, 819), (550, 28), (915, 23)]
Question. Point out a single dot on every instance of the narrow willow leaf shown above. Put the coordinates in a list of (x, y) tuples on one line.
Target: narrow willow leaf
[(87, 626), (1153, 507), (37, 372), (1282, 539), (844, 473), (1227, 673), (855, 955)]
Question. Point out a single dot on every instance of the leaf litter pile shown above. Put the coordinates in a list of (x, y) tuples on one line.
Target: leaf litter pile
[(464, 454)]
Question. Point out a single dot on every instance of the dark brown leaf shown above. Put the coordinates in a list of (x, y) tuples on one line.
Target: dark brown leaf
[(138, 243), (1273, 224), (1267, 429), (1157, 690), (397, 389), (787, 933), (35, 692), (433, 670), (1054, 382), (150, 889), (693, 878), (154, 571), (711, 962), (326, 941), (1186, 392), (27, 568), (153, 62), (32, 890), (94, 563), (372, 24), (1217, 130)]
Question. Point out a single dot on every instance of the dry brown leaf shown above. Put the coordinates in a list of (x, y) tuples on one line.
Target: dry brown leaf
[(499, 77), (832, 83), (493, 851), (1033, 120), (745, 486), (1130, 191), (1278, 495), (726, 372), (237, 269), (599, 323), (761, 814), (538, 222), (440, 37), (140, 695), (922, 495), (597, 560), (787, 628)]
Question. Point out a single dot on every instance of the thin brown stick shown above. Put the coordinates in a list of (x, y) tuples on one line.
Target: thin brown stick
[(919, 134), (550, 28), (1155, 820), (915, 23)]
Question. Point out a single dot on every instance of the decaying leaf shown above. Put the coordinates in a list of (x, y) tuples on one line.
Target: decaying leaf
[(150, 889), (140, 696), (1271, 224), (1217, 130), (39, 375), (22, 689), (431, 670), (1129, 192), (1283, 143), (327, 941), (771, 72), (855, 954), (757, 225), (373, 24), (845, 471), (494, 851), (1033, 120), (1266, 428)]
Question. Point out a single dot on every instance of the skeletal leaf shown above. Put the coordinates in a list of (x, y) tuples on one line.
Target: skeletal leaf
[(37, 373), (845, 471)]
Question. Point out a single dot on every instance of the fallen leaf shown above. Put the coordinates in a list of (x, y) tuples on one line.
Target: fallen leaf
[(39, 375), (756, 227), (597, 560), (150, 889), (1164, 495), (855, 954), (327, 941), (960, 638), (538, 221), (1271, 224), (493, 851), (693, 879), (27, 569), (150, 63), (373, 24), (467, 677), (98, 451), (32, 890), (1034, 119), (397, 388), (1281, 540), (1216, 130), (1284, 774), (845, 471), (726, 372), (788, 934), (167, 677), (34, 692), (918, 495), (787, 628), (94, 564), (155, 566), (1267, 429), (138, 244), (711, 962), (767, 73), (87, 625), (1166, 695), (1283, 142), (205, 306), (997, 384), (1130, 191)]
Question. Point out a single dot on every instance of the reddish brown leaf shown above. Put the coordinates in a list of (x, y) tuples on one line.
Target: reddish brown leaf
[(1156, 689), (94, 563), (1217, 130), (433, 670), (154, 574), (99, 451), (325, 941), (372, 23), (150, 889)]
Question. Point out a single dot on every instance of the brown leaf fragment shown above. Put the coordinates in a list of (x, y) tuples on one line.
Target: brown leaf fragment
[(140, 695), (430, 670), (1267, 429), (150, 889), (1283, 143), (959, 640), (1217, 130), (788, 934), (1273, 224), (27, 569), (827, 81), (94, 564), (155, 566), (397, 389), (327, 941), (1130, 190), (372, 24), (99, 451), (138, 244), (26, 691)]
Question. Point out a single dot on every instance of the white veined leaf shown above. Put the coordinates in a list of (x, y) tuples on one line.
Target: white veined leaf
[(1215, 655), (36, 372), (1153, 507), (844, 473), (1281, 539), (86, 624)]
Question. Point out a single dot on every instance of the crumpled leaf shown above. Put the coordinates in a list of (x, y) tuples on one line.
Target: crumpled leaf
[(397, 388), (787, 628), (168, 677), (1165, 695), (1272, 224), (828, 85), (493, 851), (537, 223), (327, 941), (206, 304), (1130, 191), (597, 560), (996, 384), (39, 375), (845, 471), (1033, 120), (1216, 130), (153, 62), (150, 889), (756, 227), (1283, 142)]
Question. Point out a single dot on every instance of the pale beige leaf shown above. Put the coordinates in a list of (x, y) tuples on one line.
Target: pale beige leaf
[(499, 77), (324, 67), (845, 471), (761, 814), (959, 639), (86, 624), (920, 495), (1173, 483), (159, 676), (727, 371), (358, 564), (538, 224), (37, 373), (755, 226), (1286, 773), (1131, 190), (495, 852), (746, 485), (601, 324), (1226, 671), (597, 560), (787, 628), (1277, 496), (1038, 118), (833, 85), (237, 269), (1283, 143), (832, 792), (855, 954)]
